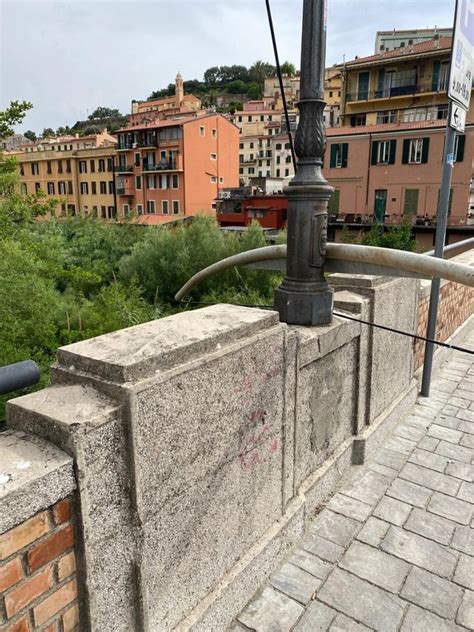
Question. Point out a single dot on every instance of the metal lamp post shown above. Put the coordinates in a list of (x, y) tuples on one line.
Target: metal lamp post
[(304, 297)]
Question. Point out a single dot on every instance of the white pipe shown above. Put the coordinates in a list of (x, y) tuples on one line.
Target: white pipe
[(398, 259)]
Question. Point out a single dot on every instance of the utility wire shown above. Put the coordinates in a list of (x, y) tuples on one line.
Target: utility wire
[(357, 320), (280, 79)]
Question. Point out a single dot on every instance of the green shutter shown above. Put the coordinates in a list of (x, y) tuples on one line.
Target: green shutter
[(460, 151), (381, 82), (345, 153), (425, 150), (375, 144), (435, 78), (333, 206), (411, 202), (333, 156), (393, 151), (406, 151)]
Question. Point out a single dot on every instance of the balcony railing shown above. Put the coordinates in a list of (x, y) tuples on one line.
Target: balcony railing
[(124, 191), (169, 165), (123, 169), (387, 93), (122, 146), (144, 142)]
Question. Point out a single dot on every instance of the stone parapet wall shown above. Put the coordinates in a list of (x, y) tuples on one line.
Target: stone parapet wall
[(38, 583), (456, 306)]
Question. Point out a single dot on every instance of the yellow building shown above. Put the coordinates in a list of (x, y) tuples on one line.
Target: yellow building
[(403, 85), (78, 171)]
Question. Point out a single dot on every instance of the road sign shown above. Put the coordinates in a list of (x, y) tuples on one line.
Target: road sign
[(457, 118), (462, 55)]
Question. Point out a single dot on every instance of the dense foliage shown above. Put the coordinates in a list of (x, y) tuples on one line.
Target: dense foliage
[(398, 237)]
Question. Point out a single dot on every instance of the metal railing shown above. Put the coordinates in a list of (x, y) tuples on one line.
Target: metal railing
[(387, 93), (123, 169), (19, 375), (160, 166)]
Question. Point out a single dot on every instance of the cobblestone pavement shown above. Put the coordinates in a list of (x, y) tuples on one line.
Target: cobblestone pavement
[(394, 548)]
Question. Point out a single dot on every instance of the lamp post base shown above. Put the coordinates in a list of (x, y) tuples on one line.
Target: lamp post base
[(312, 307)]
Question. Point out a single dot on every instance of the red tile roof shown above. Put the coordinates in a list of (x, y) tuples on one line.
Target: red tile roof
[(443, 43)]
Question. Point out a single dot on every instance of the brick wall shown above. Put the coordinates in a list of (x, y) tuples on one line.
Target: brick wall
[(456, 305), (38, 573)]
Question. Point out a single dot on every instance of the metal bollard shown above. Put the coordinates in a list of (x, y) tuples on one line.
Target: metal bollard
[(18, 375)]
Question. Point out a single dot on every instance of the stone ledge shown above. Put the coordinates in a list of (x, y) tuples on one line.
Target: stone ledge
[(34, 475)]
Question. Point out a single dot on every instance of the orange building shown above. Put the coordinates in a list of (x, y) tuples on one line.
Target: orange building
[(176, 166)]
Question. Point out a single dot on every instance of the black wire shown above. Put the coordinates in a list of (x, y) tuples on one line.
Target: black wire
[(357, 320), (280, 79)]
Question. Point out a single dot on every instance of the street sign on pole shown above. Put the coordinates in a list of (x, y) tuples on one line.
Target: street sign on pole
[(457, 118), (462, 56)]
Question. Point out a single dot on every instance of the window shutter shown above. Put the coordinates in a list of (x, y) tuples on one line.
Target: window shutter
[(393, 151), (411, 202), (333, 156), (425, 150), (406, 151), (375, 145), (381, 82), (435, 79), (460, 151), (345, 153)]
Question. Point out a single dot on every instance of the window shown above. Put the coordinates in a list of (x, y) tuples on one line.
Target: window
[(214, 179), (278, 173), (69, 187), (202, 131), (175, 207), (126, 209), (111, 211), (330, 93), (137, 160), (278, 160), (163, 181), (68, 165), (287, 173), (103, 187), (34, 169), (221, 180), (241, 145), (84, 188), (138, 182), (62, 188), (415, 151), (48, 166), (37, 187), (101, 165), (251, 171), (82, 166), (214, 133), (103, 211), (249, 119), (164, 207), (24, 188), (175, 181), (92, 164), (110, 167), (94, 188), (339, 152), (94, 211), (60, 166), (357, 120), (387, 116), (410, 206), (22, 169), (111, 187), (152, 182), (251, 145), (383, 152), (213, 156), (50, 188), (278, 146), (151, 207), (140, 208), (459, 148)]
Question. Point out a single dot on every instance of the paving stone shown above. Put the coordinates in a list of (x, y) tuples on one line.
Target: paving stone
[(456, 452), (344, 624), (271, 611), (429, 460), (464, 574), (466, 611), (295, 582), (391, 459), (459, 402), (406, 431), (388, 472), (428, 443), (236, 627), (398, 444), (430, 526), (466, 492), (432, 592), (467, 441), (431, 479), (445, 386), (466, 394), (373, 532), (317, 618), (465, 415), (466, 426), (419, 551), (451, 508), (310, 563), (463, 471), (447, 421), (446, 434), (419, 422), (356, 598), (349, 507), (392, 510), (375, 566), (368, 487), (463, 540), (419, 620), (450, 410), (324, 549), (409, 492), (335, 528)]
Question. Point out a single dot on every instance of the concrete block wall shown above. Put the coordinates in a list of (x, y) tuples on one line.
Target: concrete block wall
[(456, 306), (38, 576)]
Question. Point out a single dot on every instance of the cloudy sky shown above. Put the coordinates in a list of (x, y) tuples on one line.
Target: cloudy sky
[(69, 56)]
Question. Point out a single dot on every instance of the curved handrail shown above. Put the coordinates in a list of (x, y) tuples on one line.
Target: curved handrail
[(432, 267)]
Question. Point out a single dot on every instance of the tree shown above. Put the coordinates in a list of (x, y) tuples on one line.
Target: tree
[(288, 68), (260, 71), (63, 131), (14, 114), (211, 76), (30, 135), (48, 132), (104, 113)]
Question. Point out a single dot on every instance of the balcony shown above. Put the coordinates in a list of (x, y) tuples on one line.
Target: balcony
[(168, 165), (124, 146), (389, 93), (123, 169), (125, 191), (144, 142)]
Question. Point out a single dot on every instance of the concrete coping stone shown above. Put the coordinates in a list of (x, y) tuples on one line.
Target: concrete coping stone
[(348, 301), (358, 280), (159, 345), (34, 474)]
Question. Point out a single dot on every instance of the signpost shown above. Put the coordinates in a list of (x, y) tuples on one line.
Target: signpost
[(459, 94)]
